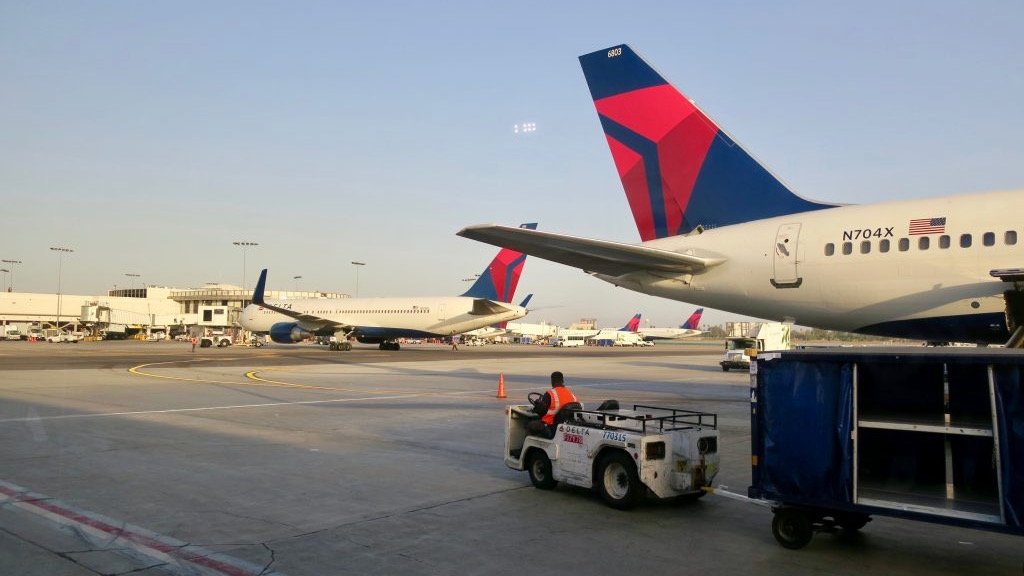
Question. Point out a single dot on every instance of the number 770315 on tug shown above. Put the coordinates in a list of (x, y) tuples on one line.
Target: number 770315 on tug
[(624, 453)]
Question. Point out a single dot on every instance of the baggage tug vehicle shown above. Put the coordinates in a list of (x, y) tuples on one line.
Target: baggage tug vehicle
[(624, 453)]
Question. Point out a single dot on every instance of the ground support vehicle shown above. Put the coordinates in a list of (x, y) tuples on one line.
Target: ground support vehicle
[(935, 435), (16, 332), (342, 345), (740, 349), (623, 453), (218, 340), (568, 341), (58, 336)]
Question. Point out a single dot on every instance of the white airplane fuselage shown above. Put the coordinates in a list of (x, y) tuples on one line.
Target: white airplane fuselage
[(942, 291), (668, 333), (386, 318)]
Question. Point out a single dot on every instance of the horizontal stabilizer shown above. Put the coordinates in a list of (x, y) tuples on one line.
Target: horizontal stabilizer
[(485, 307), (600, 256)]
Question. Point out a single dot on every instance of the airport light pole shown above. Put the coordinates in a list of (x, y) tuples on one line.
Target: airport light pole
[(296, 279), (357, 265), (132, 279), (61, 251), (13, 263), (5, 271), (245, 246)]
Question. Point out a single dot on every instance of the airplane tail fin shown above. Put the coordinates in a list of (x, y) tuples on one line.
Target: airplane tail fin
[(693, 322), (633, 325), (678, 168), (261, 285), (499, 280)]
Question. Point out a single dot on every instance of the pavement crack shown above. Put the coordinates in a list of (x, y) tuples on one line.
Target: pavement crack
[(273, 558), (142, 569), (63, 555), (257, 519)]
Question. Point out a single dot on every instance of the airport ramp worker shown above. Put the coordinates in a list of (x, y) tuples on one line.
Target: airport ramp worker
[(558, 397)]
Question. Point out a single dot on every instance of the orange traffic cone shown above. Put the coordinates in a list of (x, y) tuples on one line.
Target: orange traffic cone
[(501, 386)]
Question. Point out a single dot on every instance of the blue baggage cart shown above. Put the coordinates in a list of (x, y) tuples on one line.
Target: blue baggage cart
[(929, 434)]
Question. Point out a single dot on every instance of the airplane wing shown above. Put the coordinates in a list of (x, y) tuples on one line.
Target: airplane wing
[(311, 321), (601, 256)]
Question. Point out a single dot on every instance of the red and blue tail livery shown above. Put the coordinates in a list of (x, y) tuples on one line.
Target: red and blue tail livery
[(719, 230), (499, 280), (678, 168), (633, 325), (693, 322)]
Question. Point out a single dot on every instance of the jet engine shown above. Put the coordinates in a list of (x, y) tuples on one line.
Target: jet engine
[(288, 333)]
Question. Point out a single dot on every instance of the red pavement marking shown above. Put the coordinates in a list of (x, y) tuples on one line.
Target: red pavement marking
[(134, 537)]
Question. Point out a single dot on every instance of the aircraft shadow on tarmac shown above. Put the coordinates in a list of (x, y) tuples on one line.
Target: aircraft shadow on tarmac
[(698, 367)]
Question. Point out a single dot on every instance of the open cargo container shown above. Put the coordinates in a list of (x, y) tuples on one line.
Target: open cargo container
[(924, 434)]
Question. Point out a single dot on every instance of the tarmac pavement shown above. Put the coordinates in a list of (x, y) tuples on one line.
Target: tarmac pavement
[(313, 462)]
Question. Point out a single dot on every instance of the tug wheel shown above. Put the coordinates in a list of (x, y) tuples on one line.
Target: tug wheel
[(618, 481), (539, 466)]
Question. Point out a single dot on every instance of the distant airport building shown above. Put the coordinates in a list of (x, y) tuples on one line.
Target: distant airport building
[(154, 311)]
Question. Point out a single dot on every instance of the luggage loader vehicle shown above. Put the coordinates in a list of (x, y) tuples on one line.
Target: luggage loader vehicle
[(623, 453)]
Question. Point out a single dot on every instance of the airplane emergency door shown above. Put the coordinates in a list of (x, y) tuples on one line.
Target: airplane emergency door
[(442, 314), (786, 257)]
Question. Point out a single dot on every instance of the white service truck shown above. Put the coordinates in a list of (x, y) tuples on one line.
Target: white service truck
[(569, 341), (740, 349), (625, 454), (16, 332), (215, 338), (59, 336)]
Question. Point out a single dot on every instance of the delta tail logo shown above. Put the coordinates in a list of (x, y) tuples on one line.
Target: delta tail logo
[(693, 322), (678, 168), (499, 280)]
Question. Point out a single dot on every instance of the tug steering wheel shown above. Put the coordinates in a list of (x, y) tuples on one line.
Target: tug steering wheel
[(534, 398)]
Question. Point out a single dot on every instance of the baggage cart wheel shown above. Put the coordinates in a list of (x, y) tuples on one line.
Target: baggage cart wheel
[(618, 481), (539, 467), (792, 528)]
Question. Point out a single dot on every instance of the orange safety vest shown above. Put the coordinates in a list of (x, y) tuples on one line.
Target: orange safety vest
[(560, 396)]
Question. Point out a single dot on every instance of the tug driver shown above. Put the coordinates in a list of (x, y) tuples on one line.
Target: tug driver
[(549, 405)]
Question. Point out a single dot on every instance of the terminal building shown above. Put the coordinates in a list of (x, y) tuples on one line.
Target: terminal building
[(154, 312)]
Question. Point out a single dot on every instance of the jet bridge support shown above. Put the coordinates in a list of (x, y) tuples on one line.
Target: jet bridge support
[(1014, 298)]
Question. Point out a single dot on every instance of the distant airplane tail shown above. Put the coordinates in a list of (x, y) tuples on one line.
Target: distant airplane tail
[(632, 326), (693, 322), (678, 168), (499, 280)]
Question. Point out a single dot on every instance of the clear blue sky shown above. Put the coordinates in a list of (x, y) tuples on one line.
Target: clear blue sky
[(148, 136)]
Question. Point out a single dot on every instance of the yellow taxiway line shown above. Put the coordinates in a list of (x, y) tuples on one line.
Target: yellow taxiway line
[(257, 380)]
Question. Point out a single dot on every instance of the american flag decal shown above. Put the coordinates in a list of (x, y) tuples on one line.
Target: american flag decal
[(927, 226)]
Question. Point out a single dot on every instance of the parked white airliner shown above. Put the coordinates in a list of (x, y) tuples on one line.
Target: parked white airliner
[(720, 230), (688, 329), (384, 321)]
